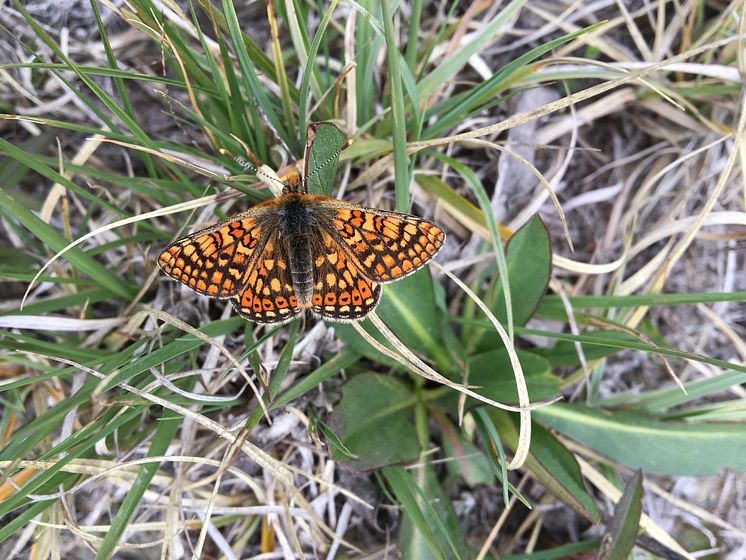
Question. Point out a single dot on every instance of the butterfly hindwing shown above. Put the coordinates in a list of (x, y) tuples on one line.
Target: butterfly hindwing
[(385, 245), (267, 295), (340, 291)]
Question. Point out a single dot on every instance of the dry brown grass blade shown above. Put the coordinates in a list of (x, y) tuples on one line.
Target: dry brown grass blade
[(179, 324), (678, 250), (538, 175), (571, 99), (524, 432)]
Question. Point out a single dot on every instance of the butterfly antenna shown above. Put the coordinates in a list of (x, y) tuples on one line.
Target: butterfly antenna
[(263, 172), (321, 165), (252, 156)]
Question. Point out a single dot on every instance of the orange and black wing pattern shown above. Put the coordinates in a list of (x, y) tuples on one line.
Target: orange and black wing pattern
[(340, 291), (214, 261), (268, 296), (386, 246)]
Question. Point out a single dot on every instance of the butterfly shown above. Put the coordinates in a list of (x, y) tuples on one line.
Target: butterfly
[(302, 251)]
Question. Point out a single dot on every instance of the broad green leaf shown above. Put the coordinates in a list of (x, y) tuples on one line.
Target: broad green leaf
[(355, 343), (492, 373), (325, 143), (373, 421), (529, 261), (557, 469), (407, 308), (620, 537), (565, 353), (452, 342), (637, 441), (551, 463), (669, 397), (464, 458)]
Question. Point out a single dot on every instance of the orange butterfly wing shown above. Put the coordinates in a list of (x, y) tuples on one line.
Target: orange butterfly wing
[(267, 295), (386, 246), (354, 250), (340, 291), (214, 261)]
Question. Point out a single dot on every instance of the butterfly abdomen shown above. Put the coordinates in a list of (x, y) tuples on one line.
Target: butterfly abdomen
[(297, 228)]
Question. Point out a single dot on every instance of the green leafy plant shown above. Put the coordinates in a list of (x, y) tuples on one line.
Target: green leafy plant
[(137, 413)]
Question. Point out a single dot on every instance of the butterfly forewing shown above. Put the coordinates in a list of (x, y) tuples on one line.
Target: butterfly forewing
[(214, 261), (385, 245), (340, 291)]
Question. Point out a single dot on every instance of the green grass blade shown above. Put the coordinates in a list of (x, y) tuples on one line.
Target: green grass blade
[(484, 37), (253, 85), (111, 59), (405, 490), (401, 159), (340, 361), (166, 429), (662, 399), (309, 70), (410, 54), (477, 188), (98, 272)]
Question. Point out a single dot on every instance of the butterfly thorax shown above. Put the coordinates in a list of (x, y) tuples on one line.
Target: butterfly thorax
[(297, 225)]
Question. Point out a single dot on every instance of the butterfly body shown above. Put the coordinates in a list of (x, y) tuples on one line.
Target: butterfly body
[(295, 232), (302, 251)]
